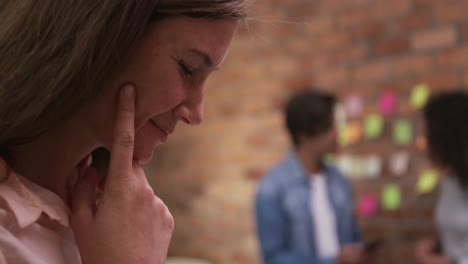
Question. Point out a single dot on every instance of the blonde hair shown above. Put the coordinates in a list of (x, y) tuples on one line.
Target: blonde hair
[(56, 55)]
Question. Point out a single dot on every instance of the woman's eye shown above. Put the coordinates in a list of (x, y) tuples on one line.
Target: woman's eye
[(186, 70)]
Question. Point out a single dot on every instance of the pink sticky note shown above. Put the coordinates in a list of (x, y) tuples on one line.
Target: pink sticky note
[(367, 205), (387, 103), (354, 105)]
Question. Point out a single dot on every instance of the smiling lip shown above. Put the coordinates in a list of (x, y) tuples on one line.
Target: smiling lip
[(165, 132)]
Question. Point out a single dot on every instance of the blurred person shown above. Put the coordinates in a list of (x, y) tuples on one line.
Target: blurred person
[(76, 76), (304, 207), (446, 128)]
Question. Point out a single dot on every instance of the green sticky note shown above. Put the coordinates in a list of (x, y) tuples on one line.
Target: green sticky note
[(391, 197), (419, 96), (373, 126), (427, 181), (402, 132)]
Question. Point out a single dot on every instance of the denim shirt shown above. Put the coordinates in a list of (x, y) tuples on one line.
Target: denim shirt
[(284, 220)]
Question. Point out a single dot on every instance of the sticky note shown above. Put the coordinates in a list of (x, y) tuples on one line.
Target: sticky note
[(373, 126), (354, 105), (357, 167), (387, 103), (427, 181), (367, 205), (373, 166), (345, 164), (419, 96), (354, 131), (421, 143), (340, 115), (391, 197), (343, 135), (402, 132), (399, 163)]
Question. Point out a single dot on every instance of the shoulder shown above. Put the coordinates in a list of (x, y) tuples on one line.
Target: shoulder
[(273, 181), (337, 176), (335, 172)]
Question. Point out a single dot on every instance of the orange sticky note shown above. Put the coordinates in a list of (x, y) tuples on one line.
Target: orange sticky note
[(354, 132)]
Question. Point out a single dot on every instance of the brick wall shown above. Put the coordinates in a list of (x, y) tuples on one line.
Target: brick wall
[(208, 174)]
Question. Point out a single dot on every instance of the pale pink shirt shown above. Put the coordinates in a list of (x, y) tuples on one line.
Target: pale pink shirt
[(34, 223)]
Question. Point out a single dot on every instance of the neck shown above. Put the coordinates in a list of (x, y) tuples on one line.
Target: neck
[(51, 160), (310, 161)]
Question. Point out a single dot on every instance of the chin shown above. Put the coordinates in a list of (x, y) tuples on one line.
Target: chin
[(143, 155)]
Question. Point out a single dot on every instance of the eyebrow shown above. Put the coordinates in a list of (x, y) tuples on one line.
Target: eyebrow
[(206, 58)]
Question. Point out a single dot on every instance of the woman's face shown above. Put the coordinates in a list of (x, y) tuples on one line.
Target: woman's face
[(168, 67)]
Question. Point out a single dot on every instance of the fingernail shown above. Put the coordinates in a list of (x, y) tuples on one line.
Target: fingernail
[(128, 91)]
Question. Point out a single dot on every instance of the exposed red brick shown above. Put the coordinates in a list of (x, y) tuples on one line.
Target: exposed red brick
[(332, 77), (376, 71), (319, 23), (402, 253), (254, 173), (375, 231), (412, 64), (453, 58), (465, 33), (258, 140), (434, 39), (353, 17), (333, 40), (414, 21), (422, 3), (465, 79), (399, 85), (368, 31), (392, 46), (303, 11), (351, 54), (422, 230), (441, 80), (383, 10), (450, 12)]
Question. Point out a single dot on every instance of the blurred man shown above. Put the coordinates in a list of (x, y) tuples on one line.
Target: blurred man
[(303, 206)]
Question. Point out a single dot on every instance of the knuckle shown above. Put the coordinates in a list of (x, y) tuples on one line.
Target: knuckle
[(126, 139), (169, 222)]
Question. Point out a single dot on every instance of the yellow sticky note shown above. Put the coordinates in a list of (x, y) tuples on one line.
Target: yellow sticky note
[(419, 96), (373, 126), (427, 181), (402, 132), (343, 135), (391, 197)]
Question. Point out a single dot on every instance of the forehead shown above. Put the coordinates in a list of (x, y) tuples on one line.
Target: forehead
[(179, 34)]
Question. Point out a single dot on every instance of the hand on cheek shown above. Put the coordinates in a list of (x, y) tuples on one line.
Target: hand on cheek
[(130, 224)]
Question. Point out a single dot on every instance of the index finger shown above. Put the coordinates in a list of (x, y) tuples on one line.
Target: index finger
[(121, 160)]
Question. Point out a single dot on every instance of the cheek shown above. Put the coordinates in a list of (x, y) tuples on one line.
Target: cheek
[(157, 97), (158, 90)]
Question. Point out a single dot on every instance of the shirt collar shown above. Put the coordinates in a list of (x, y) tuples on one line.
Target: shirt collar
[(297, 170), (27, 200)]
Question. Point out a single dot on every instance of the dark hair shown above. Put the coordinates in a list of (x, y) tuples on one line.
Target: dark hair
[(447, 132), (310, 113)]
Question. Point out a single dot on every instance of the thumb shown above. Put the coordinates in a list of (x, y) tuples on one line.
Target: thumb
[(84, 196)]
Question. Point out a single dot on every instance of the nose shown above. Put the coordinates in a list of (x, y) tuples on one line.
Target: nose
[(191, 111)]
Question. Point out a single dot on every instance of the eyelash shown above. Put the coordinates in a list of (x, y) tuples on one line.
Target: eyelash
[(185, 69)]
